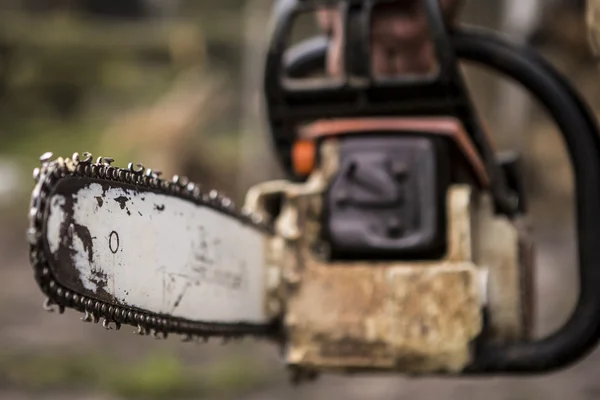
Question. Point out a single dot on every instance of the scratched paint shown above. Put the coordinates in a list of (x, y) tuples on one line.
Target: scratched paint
[(163, 254)]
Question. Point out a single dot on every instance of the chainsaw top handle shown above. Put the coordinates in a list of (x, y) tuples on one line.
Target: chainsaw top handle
[(444, 95), (360, 92)]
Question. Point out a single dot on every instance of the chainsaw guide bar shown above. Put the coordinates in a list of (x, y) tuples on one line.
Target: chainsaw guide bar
[(129, 247)]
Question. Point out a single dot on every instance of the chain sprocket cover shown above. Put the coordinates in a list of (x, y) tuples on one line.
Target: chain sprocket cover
[(132, 248)]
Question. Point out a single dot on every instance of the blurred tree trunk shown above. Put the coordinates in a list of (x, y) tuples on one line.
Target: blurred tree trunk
[(257, 159), (593, 24)]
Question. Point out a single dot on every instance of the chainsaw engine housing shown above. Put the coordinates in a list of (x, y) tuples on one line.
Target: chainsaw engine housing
[(413, 312)]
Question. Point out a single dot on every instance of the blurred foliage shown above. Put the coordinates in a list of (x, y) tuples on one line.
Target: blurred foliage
[(155, 377), (68, 78)]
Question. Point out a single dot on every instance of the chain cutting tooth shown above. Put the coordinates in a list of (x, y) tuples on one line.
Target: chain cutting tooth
[(159, 335), (227, 203), (48, 305), (87, 157), (180, 180), (141, 331), (46, 157), (36, 174), (138, 169), (203, 339), (87, 317), (106, 324), (51, 306), (32, 236)]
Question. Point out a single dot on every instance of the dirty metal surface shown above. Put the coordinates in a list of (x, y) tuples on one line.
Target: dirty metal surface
[(154, 252), (507, 252), (417, 317), (397, 317)]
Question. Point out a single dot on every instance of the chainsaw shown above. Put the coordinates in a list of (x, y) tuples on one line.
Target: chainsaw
[(397, 243)]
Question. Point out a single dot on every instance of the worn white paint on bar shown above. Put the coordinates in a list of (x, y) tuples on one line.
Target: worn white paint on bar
[(165, 255)]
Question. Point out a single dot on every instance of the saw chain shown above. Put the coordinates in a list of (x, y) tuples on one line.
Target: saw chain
[(113, 315)]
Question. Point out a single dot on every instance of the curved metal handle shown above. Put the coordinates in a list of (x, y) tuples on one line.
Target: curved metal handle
[(581, 333), (442, 94), (580, 132)]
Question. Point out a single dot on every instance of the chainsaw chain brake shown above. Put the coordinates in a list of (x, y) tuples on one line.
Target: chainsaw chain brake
[(112, 315)]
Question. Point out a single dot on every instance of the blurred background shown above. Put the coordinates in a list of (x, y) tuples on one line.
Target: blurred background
[(175, 84)]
